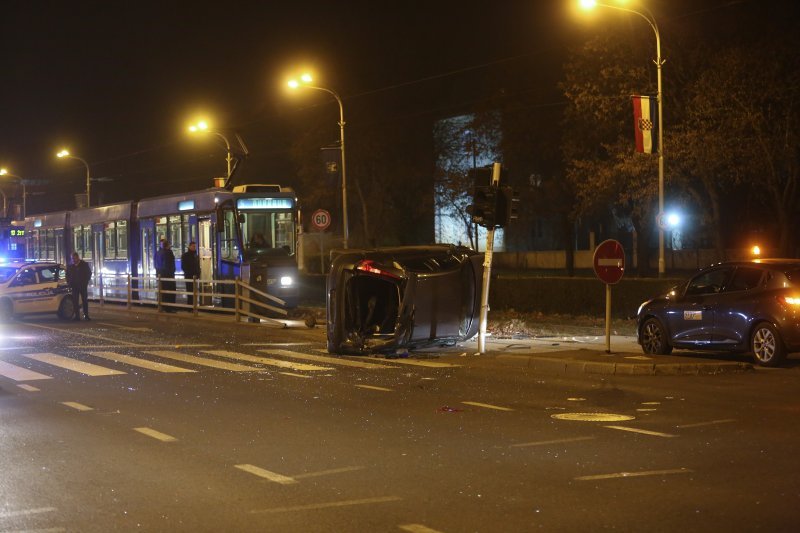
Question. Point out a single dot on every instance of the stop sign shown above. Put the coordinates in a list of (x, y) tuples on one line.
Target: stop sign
[(609, 261)]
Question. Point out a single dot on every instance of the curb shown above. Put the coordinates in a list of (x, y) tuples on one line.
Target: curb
[(571, 366)]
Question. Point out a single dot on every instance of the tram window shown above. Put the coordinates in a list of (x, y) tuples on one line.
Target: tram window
[(49, 244), (122, 239), (229, 246), (284, 231), (109, 229), (86, 251), (175, 237), (161, 228), (59, 250)]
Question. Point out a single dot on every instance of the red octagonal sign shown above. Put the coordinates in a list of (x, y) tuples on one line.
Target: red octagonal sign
[(609, 261)]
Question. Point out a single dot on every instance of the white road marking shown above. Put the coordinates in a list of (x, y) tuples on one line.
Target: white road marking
[(548, 442), (373, 387), (639, 357), (278, 344), (193, 359), (642, 431), (136, 361), (421, 362), (651, 403), (26, 512), (328, 505), (326, 359), (266, 474), (709, 423), (29, 388), (17, 373), (81, 333), (78, 406), (418, 528), (329, 472), (488, 406), (646, 409), (72, 364), (295, 375), (163, 437), (118, 346), (265, 360), (635, 474), (127, 328)]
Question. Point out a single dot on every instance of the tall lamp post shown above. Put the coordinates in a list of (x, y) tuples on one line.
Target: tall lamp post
[(305, 81), (65, 153), (202, 127), (648, 16), (5, 172)]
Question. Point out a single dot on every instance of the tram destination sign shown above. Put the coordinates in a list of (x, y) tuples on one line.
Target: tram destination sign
[(265, 203)]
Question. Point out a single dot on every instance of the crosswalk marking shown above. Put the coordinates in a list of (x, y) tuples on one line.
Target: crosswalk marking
[(265, 360), (29, 388), (163, 437), (266, 474), (373, 387), (201, 361), (17, 373), (78, 406), (326, 359), (143, 363), (72, 364), (412, 362)]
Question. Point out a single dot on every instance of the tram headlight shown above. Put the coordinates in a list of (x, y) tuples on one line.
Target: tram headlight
[(287, 281)]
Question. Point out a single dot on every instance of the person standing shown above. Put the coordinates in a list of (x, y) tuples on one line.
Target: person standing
[(165, 268), (190, 263), (78, 275)]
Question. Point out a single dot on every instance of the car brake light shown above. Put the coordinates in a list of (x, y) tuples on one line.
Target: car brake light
[(792, 300), (369, 266)]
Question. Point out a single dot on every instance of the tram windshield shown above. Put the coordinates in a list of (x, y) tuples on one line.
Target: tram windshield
[(267, 233)]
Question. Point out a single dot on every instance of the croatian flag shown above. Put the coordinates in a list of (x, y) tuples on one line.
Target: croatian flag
[(645, 123)]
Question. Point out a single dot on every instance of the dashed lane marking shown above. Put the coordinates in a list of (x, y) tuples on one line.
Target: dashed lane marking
[(29, 388), (163, 437), (295, 375), (635, 474), (72, 364), (136, 361), (193, 359), (329, 472), (17, 373), (328, 505), (326, 359), (488, 406), (418, 528), (26, 512), (373, 387), (548, 442), (641, 431), (78, 406), (709, 423), (266, 474), (265, 360)]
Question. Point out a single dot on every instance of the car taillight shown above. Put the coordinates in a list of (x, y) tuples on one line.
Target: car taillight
[(369, 266), (791, 300)]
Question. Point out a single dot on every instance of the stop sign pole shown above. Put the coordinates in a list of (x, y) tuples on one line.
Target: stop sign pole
[(609, 266)]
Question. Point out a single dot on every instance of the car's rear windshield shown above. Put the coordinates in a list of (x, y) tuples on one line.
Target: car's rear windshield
[(6, 273)]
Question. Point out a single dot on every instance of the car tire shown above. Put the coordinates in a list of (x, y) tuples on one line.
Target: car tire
[(766, 345), (6, 310), (66, 309), (654, 338)]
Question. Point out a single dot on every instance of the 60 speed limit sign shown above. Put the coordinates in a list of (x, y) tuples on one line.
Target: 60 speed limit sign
[(321, 219)]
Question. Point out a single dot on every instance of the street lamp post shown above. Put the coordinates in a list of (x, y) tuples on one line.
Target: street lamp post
[(305, 81), (65, 153), (202, 127), (5, 172), (648, 16)]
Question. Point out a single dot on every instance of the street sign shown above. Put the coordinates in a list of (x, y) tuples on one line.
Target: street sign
[(321, 219), (609, 261)]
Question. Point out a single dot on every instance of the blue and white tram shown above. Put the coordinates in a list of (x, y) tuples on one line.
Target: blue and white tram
[(248, 233)]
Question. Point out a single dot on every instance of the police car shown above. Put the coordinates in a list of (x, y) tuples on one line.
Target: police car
[(34, 287)]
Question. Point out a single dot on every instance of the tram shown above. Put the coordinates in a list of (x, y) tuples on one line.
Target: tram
[(249, 233)]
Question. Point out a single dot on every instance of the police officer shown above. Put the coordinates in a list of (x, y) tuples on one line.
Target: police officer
[(78, 275), (190, 263), (165, 268)]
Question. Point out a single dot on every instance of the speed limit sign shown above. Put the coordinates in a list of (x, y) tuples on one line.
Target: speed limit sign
[(321, 219)]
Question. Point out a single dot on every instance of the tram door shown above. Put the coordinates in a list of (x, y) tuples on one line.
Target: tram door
[(148, 246), (97, 260)]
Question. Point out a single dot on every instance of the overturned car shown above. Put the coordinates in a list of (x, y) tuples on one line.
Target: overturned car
[(384, 299)]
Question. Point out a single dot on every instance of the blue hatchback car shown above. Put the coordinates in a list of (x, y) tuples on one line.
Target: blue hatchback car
[(740, 306)]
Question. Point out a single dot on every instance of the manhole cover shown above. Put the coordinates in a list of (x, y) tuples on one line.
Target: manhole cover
[(592, 417)]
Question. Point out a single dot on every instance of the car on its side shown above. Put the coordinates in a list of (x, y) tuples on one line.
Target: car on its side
[(385, 299), (34, 287), (739, 306)]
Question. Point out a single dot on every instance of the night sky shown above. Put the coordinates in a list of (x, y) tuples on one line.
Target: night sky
[(117, 82)]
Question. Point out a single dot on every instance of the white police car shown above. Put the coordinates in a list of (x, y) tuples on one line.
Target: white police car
[(34, 287)]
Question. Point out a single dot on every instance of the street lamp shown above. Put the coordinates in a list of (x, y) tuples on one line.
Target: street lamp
[(65, 153), (5, 172), (305, 81), (202, 127), (648, 16)]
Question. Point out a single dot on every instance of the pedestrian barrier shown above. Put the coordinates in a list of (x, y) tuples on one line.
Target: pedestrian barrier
[(233, 296)]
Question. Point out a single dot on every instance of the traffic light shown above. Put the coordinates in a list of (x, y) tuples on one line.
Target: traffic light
[(484, 205), (507, 202)]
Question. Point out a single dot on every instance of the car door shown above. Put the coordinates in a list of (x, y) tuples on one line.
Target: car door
[(23, 291), (691, 317), (735, 306)]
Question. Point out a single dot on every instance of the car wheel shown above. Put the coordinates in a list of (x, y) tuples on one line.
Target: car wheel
[(654, 338), (766, 345), (6, 310), (66, 309)]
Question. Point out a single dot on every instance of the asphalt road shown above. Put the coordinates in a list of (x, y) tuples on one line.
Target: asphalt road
[(163, 423)]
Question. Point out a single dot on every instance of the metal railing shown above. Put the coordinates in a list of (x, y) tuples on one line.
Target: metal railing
[(219, 296)]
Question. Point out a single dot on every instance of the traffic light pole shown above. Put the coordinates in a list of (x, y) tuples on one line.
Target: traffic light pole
[(487, 270)]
